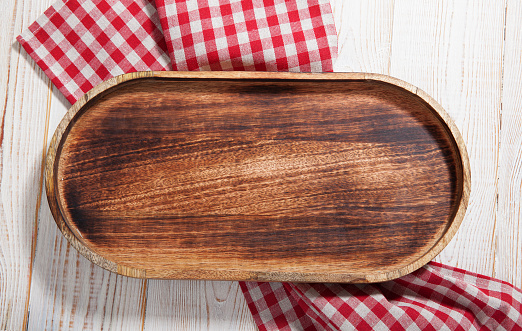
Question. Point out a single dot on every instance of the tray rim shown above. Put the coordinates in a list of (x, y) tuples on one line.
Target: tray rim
[(76, 240)]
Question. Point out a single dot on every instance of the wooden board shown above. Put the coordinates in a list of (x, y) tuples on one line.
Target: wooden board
[(472, 52), (508, 236), (23, 93), (258, 176), (455, 53)]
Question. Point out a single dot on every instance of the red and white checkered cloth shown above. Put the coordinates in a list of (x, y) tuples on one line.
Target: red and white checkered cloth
[(262, 35), (435, 297), (79, 43)]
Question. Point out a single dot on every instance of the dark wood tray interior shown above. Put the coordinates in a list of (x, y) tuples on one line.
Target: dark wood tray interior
[(270, 179)]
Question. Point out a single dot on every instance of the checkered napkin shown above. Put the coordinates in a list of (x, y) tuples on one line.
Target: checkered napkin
[(79, 43), (263, 35), (435, 297)]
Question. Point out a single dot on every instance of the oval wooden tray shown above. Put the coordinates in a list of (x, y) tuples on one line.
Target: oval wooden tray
[(258, 176)]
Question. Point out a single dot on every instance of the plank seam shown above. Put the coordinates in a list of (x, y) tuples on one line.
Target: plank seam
[(143, 304), (25, 324), (502, 75), (391, 38)]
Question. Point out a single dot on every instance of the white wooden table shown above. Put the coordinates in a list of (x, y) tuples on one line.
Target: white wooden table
[(466, 54)]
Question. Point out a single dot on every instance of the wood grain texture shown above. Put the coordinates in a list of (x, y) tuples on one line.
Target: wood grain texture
[(69, 292), (364, 32), (508, 234), (461, 38), (162, 178), (453, 51), (21, 155), (194, 305)]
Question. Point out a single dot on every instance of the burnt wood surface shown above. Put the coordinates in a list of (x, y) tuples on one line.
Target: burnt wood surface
[(227, 177)]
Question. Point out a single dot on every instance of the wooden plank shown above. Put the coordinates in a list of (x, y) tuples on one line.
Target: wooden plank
[(24, 100), (453, 51), (69, 292), (196, 305), (509, 220), (364, 30)]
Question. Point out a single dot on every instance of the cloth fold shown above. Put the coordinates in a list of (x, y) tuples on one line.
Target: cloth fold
[(80, 43), (434, 297)]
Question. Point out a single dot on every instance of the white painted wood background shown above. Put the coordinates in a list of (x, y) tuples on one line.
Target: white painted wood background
[(466, 54)]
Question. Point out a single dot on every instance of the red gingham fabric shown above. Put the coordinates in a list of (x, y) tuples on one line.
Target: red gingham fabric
[(262, 35), (79, 43), (435, 297)]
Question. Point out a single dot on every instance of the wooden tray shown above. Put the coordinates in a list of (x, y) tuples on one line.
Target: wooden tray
[(258, 176)]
